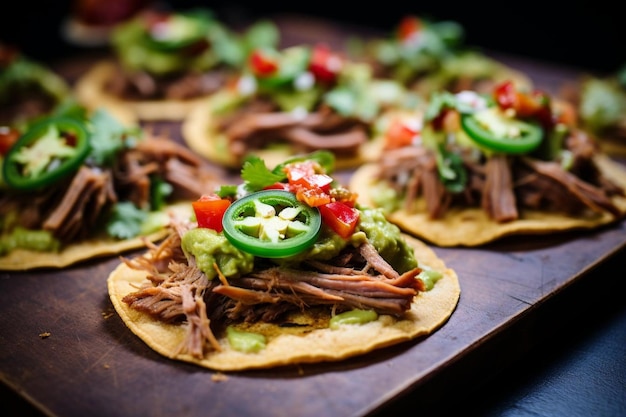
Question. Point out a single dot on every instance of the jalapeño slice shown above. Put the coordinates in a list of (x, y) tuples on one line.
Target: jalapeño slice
[(501, 134), (271, 224), (48, 151)]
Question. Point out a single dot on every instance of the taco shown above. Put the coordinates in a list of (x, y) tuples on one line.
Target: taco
[(281, 270), (428, 56), (165, 61), (472, 168), (77, 185), (291, 101)]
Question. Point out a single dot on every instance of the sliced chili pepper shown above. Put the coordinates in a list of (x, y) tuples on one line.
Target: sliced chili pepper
[(529, 137), (50, 150), (271, 224), (209, 210)]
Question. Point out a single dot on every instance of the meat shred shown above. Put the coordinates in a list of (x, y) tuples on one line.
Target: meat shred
[(504, 185)]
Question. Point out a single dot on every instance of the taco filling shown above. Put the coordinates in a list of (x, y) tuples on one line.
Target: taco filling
[(475, 167), (280, 270), (296, 100), (428, 56)]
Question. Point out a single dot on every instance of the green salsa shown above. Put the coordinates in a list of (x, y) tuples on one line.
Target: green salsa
[(387, 239), (243, 341), (36, 240), (355, 316)]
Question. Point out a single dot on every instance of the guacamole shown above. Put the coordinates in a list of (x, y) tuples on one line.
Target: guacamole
[(211, 248)]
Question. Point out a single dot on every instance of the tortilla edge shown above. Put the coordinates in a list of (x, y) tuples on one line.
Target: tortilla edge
[(24, 260), (444, 299)]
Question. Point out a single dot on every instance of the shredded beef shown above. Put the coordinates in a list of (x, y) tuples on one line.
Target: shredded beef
[(575, 194), (498, 198), (258, 124)]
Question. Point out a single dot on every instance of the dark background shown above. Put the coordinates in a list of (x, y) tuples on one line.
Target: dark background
[(589, 35)]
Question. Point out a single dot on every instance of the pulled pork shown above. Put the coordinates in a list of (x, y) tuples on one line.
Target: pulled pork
[(74, 208), (502, 184), (178, 292)]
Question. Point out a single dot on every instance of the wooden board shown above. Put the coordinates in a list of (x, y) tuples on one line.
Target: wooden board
[(64, 349)]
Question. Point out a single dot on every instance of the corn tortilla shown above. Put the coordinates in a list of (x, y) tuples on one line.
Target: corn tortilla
[(429, 311)]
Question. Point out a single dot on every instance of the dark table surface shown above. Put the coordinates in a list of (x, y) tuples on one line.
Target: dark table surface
[(577, 368), (565, 357)]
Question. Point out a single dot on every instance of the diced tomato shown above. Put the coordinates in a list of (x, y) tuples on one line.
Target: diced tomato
[(340, 217), (325, 65), (262, 63), (8, 136), (298, 170), (314, 181), (401, 133), (209, 210), (154, 18), (526, 104), (313, 197), (408, 27), (505, 95), (565, 113), (309, 186)]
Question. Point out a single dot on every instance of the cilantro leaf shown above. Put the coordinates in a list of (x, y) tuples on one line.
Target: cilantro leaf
[(126, 221), (257, 175), (227, 191), (108, 137)]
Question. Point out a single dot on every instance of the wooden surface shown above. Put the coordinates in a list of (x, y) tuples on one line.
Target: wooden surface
[(91, 364)]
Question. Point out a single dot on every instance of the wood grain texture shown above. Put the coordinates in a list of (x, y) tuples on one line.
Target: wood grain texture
[(64, 349)]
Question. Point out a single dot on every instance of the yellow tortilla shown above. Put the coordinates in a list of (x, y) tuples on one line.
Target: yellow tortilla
[(201, 136), (91, 91), (472, 226), (429, 311), (100, 246)]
